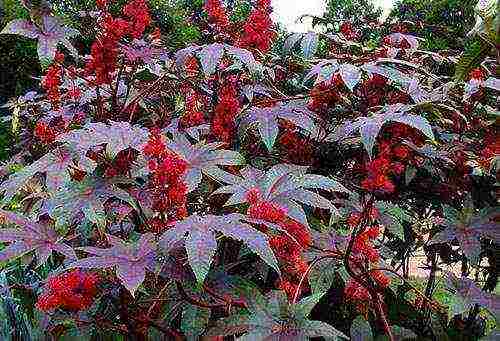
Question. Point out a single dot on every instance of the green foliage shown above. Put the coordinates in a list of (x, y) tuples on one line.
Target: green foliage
[(475, 52), (355, 11), (446, 22)]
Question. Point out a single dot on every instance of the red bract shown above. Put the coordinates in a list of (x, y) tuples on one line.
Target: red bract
[(258, 29), (223, 122), (72, 291), (137, 13)]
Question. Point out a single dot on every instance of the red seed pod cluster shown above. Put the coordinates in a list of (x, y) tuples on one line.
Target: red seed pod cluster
[(217, 15), (223, 123), (44, 133), (104, 50), (288, 246), (192, 115), (324, 95), (348, 31), (121, 164), (392, 159), (364, 252), (137, 13), (51, 83), (72, 291), (293, 147), (166, 185), (477, 74), (258, 30)]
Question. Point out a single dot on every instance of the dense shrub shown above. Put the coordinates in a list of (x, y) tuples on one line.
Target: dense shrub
[(226, 190)]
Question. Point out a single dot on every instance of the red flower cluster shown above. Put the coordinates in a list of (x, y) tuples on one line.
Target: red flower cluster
[(104, 51), (51, 83), (217, 15), (73, 291), (168, 190), (287, 247), (373, 90), (258, 29), (223, 123), (137, 13), (44, 133)]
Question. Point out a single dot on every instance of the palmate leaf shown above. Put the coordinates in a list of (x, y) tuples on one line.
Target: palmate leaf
[(53, 165), (203, 158), (211, 55), (117, 136), (467, 229), (275, 318), (49, 35), (130, 260), (32, 236), (369, 127), (466, 293), (326, 69), (288, 186), (267, 119), (199, 232), (87, 197)]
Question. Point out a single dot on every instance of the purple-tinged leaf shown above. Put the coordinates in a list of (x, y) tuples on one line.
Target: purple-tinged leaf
[(131, 261), (267, 321), (38, 237), (200, 248), (21, 27), (323, 71), (266, 120), (253, 239), (369, 132), (54, 165), (467, 293), (203, 159), (370, 126), (201, 245), (87, 197), (309, 44), (244, 56), (210, 57), (351, 75)]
